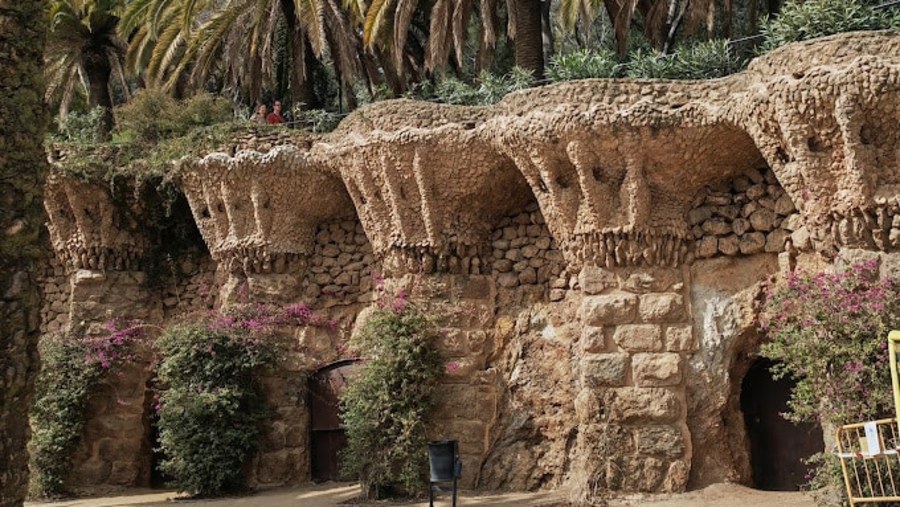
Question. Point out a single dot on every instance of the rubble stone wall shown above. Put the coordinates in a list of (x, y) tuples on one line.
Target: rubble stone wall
[(594, 251)]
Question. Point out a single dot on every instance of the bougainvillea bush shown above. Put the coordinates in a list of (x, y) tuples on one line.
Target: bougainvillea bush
[(212, 407), (72, 365), (829, 332), (386, 404)]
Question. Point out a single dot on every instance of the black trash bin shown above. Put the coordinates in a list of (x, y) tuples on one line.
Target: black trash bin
[(445, 466)]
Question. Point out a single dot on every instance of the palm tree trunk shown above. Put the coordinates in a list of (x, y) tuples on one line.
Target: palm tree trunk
[(529, 42), (302, 90), (99, 73), (546, 30), (22, 172)]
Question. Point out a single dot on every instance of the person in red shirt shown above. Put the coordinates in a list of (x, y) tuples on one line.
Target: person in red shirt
[(275, 117)]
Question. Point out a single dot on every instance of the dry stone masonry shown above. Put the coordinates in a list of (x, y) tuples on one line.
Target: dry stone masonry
[(593, 251), (748, 215)]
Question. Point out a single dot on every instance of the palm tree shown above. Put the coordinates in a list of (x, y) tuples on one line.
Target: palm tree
[(387, 24), (660, 19), (22, 171), (238, 40), (83, 49)]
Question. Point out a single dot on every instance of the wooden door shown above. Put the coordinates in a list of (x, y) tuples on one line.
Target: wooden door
[(328, 438)]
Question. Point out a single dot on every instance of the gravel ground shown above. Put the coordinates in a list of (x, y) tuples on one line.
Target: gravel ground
[(331, 494)]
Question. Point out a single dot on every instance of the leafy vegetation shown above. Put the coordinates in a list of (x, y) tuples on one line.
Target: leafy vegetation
[(84, 51), (817, 18), (212, 407), (703, 60), (386, 405), (829, 332), (72, 366), (154, 115), (584, 64)]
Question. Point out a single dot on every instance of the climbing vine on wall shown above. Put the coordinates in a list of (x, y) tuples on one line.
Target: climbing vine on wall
[(386, 405), (212, 406), (72, 366)]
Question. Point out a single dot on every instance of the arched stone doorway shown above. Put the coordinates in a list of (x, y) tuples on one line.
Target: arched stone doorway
[(778, 447), (328, 438)]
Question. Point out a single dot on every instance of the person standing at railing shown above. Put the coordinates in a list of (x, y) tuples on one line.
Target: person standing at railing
[(260, 115), (275, 117)]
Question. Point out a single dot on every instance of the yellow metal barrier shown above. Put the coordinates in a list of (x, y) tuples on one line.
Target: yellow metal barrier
[(869, 451), (870, 461)]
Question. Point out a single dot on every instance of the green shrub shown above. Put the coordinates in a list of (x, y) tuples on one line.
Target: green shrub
[(703, 60), (316, 120), (583, 64), (451, 90), (211, 409), (71, 367), (829, 332), (490, 90), (647, 63), (81, 127), (493, 88), (799, 21), (153, 115), (385, 406)]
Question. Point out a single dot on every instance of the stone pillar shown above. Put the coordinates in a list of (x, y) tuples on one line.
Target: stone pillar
[(468, 393), (631, 407), (101, 246)]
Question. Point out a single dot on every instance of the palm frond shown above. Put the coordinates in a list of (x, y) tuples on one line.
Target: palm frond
[(402, 20), (375, 21)]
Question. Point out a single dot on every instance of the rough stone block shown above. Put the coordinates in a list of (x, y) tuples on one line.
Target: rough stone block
[(707, 247), (752, 243), (609, 309), (657, 369), (763, 220), (666, 307), (775, 240), (676, 477), (643, 405), (638, 337), (800, 238), (665, 441), (595, 280), (729, 245), (699, 215), (680, 338), (593, 339), (604, 370), (716, 227), (272, 468)]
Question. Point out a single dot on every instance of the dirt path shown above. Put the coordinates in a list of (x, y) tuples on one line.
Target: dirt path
[(328, 495)]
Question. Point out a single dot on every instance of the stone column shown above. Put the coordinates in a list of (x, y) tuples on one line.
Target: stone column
[(631, 405), (101, 246)]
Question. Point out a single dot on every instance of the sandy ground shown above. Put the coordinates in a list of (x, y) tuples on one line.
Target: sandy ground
[(331, 494)]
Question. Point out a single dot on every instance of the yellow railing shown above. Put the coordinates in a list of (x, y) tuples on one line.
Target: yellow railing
[(868, 451)]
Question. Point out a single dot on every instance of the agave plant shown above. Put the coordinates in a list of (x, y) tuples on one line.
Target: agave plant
[(84, 53)]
